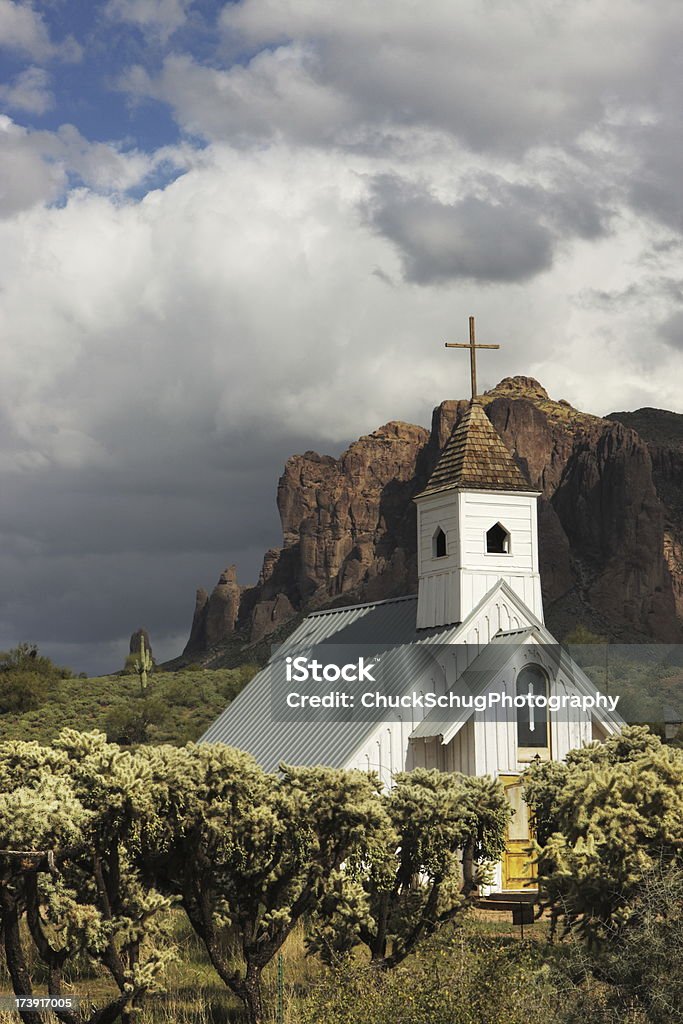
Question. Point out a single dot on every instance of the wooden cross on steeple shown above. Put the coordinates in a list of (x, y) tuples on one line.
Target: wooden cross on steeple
[(473, 358)]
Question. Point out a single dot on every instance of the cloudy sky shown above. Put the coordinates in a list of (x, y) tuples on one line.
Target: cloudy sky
[(229, 232)]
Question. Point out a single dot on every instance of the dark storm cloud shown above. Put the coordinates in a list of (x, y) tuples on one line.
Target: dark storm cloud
[(572, 207), (656, 180), (161, 360), (471, 238), (672, 330), (89, 555)]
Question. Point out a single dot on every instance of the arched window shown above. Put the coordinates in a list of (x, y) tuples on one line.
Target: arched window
[(439, 544), (532, 721), (497, 540)]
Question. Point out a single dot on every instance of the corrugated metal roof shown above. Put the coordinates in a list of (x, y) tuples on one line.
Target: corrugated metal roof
[(248, 723), (388, 628), (476, 457)]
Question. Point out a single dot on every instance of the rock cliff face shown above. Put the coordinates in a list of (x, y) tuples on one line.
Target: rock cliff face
[(608, 550), (215, 617), (662, 431), (135, 639)]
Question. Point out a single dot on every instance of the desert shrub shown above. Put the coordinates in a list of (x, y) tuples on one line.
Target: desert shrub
[(605, 818), (642, 963), (27, 679), (460, 979), (21, 690), (129, 665), (190, 701), (259, 852), (446, 829), (69, 820), (471, 977), (26, 657), (130, 724), (177, 692)]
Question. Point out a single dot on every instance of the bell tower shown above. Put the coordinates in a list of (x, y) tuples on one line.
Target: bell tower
[(476, 522)]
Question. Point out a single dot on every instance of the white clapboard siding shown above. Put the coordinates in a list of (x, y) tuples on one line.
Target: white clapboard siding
[(386, 751), (486, 743), (458, 755), (450, 587)]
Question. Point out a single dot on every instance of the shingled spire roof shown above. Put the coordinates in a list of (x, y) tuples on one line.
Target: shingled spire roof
[(476, 458)]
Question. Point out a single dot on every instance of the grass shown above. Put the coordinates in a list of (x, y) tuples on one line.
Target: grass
[(194, 992), (176, 707), (479, 971), (196, 995)]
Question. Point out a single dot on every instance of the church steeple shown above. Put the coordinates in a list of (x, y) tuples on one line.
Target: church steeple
[(477, 523), (476, 457)]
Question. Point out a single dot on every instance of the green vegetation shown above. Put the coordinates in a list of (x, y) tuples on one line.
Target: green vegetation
[(647, 678), (162, 882), (38, 700), (608, 815), (435, 819), (234, 844), (26, 679), (68, 820), (483, 973), (97, 844), (477, 972)]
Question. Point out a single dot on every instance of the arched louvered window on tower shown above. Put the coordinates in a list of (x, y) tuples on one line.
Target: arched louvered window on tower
[(439, 544), (497, 540)]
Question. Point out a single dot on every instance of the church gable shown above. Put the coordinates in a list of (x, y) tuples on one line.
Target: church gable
[(501, 610), (501, 739)]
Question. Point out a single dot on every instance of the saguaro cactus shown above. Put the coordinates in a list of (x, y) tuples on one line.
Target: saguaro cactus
[(144, 663)]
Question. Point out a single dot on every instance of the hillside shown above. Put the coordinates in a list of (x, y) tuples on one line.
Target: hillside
[(610, 524), (175, 708)]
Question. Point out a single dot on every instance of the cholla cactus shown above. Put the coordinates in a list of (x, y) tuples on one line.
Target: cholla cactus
[(144, 663), (70, 818)]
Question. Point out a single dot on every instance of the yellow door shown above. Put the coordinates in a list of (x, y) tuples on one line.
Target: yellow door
[(518, 870)]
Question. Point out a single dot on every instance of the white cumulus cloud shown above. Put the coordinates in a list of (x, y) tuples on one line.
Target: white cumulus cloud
[(23, 29), (161, 17), (29, 91)]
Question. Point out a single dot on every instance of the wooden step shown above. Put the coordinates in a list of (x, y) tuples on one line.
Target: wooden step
[(523, 896), (520, 905)]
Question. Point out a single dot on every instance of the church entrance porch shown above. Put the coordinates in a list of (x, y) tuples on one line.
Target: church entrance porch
[(518, 892), (518, 869)]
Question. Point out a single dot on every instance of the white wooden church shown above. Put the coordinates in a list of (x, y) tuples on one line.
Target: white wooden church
[(479, 607)]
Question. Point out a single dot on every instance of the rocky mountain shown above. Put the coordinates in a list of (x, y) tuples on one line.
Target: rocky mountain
[(662, 431), (610, 522)]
